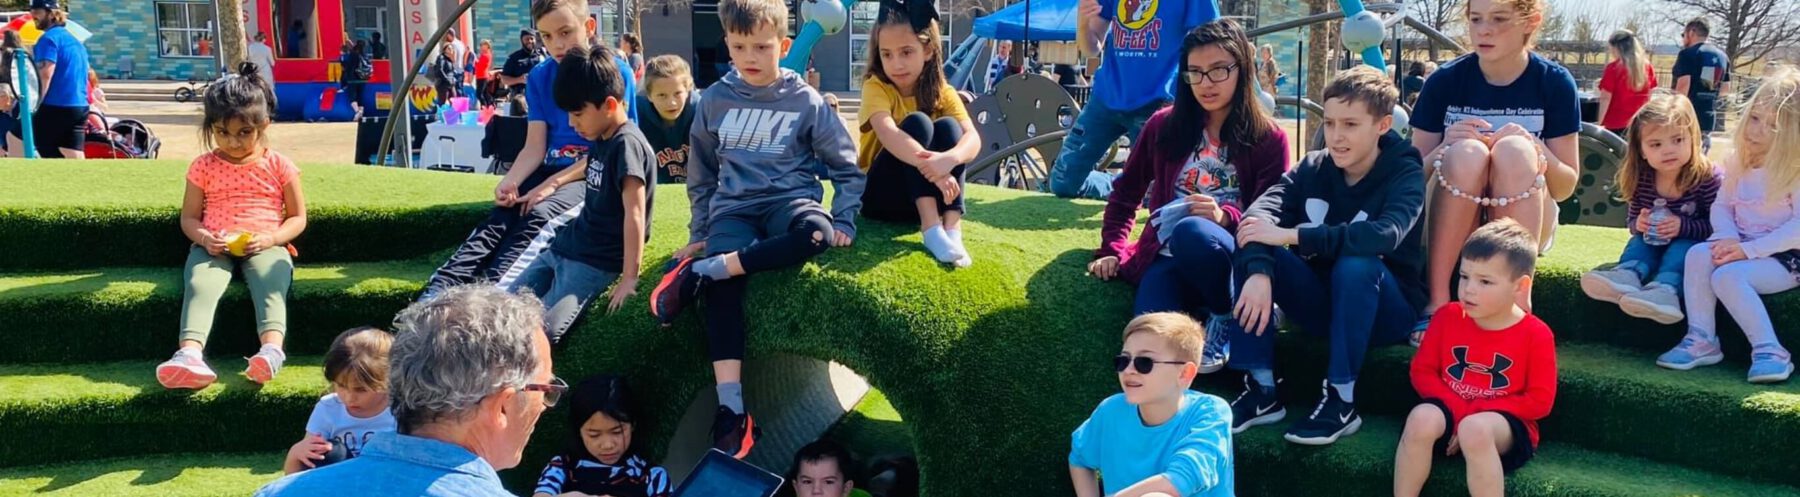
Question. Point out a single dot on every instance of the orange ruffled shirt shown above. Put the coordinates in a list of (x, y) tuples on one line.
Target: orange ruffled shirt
[(243, 197)]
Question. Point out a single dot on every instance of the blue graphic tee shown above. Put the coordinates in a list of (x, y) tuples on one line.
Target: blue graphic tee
[(1143, 49), (563, 146)]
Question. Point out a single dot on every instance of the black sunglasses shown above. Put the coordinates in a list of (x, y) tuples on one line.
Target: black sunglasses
[(1216, 75), (552, 391), (1142, 364)]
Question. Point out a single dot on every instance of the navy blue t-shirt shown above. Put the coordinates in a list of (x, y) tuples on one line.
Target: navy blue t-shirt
[(597, 236), (1542, 100), (1707, 68)]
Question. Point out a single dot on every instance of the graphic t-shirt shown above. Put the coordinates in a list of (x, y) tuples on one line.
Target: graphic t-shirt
[(1208, 173), (1143, 49), (242, 197), (331, 420), (1473, 370), (597, 236), (1707, 68), (563, 145), (669, 138), (1542, 100)]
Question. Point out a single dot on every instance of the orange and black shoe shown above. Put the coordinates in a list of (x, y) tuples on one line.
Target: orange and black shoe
[(734, 433), (678, 287)]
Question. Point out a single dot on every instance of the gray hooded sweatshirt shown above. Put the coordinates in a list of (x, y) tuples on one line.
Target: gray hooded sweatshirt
[(757, 146)]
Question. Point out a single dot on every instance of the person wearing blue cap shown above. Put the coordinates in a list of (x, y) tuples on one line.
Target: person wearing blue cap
[(62, 62)]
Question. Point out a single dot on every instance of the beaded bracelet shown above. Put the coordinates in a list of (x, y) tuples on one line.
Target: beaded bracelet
[(1437, 166)]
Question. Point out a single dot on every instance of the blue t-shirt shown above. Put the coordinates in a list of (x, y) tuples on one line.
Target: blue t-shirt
[(1193, 449), (1143, 49), (1707, 68), (563, 146), (68, 87), (1542, 100)]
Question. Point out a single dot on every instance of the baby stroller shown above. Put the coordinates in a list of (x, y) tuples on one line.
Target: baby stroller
[(119, 138)]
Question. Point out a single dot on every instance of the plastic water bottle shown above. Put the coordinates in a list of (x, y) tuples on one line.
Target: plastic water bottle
[(1659, 211)]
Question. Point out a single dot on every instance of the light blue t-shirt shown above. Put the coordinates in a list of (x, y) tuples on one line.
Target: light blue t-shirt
[(395, 464), (1143, 49), (68, 87), (564, 146), (1193, 449)]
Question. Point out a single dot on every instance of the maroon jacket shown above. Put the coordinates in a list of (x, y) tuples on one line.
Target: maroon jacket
[(1257, 170)]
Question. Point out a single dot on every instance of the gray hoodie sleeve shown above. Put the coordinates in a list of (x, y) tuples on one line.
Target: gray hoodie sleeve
[(703, 175), (832, 143)]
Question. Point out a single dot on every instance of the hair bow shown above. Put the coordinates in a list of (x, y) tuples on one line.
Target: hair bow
[(919, 13)]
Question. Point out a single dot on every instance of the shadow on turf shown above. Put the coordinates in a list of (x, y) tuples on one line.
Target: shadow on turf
[(1036, 212)]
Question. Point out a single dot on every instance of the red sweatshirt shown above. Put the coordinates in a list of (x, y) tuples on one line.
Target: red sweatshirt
[(1472, 370)]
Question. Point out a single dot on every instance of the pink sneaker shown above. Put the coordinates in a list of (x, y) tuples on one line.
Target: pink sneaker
[(186, 371), (265, 364)]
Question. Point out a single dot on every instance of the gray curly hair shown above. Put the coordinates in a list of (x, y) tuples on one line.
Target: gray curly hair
[(456, 349)]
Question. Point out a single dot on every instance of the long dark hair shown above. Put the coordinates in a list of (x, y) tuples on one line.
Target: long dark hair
[(242, 95), (1245, 123), (602, 394), (931, 76)]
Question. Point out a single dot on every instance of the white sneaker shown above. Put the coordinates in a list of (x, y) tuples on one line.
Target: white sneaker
[(1658, 302), (186, 370), (1609, 285), (265, 364)]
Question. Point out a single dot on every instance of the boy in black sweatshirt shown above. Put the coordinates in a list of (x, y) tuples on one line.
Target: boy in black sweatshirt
[(1337, 243)]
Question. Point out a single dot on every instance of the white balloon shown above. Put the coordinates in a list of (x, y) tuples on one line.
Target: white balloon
[(829, 14), (1362, 30)]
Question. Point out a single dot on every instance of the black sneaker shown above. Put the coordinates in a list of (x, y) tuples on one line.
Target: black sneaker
[(676, 290), (1257, 406), (1332, 419), (734, 433)]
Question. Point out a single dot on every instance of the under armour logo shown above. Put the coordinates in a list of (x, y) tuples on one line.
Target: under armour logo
[(1316, 209), (1496, 373)]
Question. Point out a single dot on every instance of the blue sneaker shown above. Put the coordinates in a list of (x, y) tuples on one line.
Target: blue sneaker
[(1693, 352), (1769, 364), (1219, 330)]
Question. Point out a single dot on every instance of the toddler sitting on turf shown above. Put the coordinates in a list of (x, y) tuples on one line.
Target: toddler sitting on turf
[(357, 407), (1158, 437), (1486, 371), (242, 208)]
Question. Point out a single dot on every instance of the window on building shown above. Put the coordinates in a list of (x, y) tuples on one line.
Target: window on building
[(184, 29), (862, 24), (366, 19)]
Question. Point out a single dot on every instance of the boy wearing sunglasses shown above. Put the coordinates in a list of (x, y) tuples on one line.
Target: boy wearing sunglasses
[(1158, 437), (1338, 245)]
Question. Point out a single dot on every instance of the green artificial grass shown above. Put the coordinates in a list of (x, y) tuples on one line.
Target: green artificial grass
[(135, 313), (88, 411), (991, 366), (188, 475), (1363, 464), (1608, 399), (86, 214)]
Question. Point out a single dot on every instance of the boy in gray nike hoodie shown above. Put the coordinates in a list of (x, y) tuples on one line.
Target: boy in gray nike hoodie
[(756, 137)]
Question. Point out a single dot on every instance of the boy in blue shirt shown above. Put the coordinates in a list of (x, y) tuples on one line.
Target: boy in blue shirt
[(1158, 437), (1143, 47), (533, 198)]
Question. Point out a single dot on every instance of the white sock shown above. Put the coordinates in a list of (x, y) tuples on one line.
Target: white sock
[(713, 268), (940, 245), (1346, 391)]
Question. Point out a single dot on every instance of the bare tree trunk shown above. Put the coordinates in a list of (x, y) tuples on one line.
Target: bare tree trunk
[(1319, 46), (232, 44)]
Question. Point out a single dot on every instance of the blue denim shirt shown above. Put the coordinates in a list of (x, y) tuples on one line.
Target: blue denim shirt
[(395, 464)]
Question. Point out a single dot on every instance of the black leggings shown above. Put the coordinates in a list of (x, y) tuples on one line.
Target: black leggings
[(801, 229), (894, 185)]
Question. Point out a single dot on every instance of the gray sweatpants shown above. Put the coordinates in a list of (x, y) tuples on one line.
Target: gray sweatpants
[(269, 274)]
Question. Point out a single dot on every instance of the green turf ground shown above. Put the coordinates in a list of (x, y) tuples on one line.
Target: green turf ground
[(990, 366)]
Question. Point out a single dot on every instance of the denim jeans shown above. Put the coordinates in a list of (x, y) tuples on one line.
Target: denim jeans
[(1357, 305), (1660, 264), (566, 286), (1195, 278), (1096, 128)]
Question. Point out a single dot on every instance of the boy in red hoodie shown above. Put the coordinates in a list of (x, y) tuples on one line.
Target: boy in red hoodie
[(1486, 371)]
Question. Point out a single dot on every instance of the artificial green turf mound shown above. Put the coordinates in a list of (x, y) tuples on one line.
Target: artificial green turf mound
[(991, 366)]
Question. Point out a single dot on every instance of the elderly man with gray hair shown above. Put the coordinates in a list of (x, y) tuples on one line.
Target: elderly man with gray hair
[(469, 376)]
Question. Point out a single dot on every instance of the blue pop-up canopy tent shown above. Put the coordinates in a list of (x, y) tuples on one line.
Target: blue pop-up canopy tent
[(1050, 20)]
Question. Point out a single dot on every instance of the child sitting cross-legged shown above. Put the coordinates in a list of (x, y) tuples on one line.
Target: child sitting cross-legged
[(1486, 371), (1158, 437), (599, 458)]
